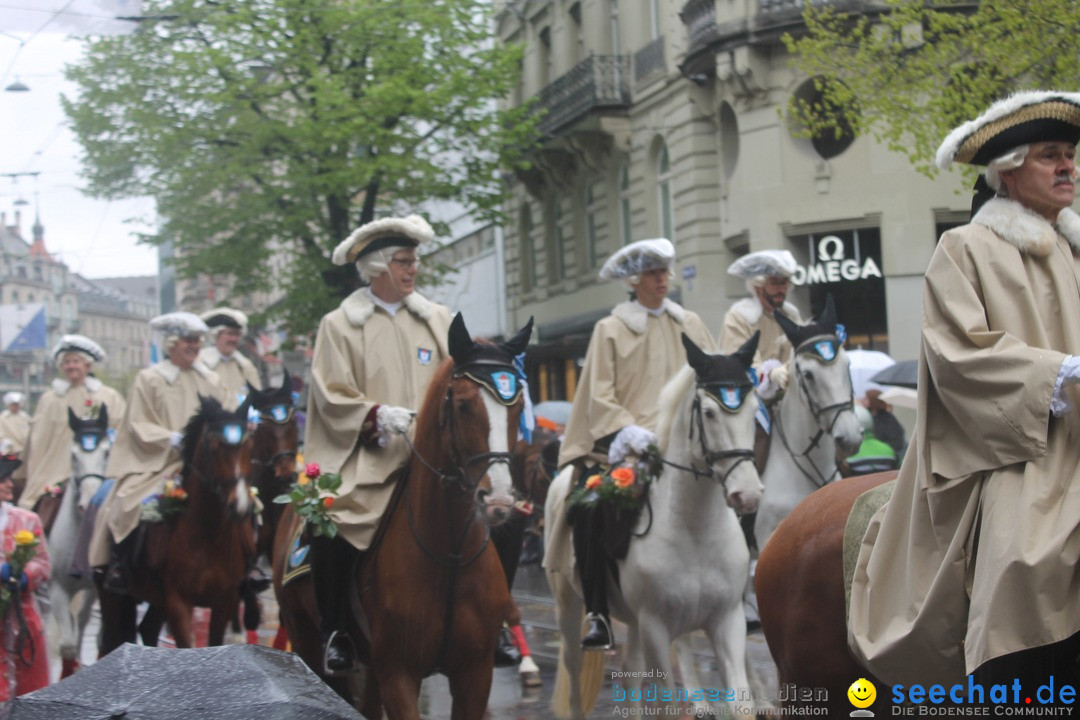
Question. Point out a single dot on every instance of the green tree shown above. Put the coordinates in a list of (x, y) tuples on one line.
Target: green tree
[(284, 124), (908, 71)]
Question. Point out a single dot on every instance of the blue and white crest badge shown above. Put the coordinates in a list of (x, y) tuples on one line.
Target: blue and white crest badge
[(280, 413), (423, 356), (88, 442), (298, 554), (731, 398), (505, 384), (826, 350), (233, 433)]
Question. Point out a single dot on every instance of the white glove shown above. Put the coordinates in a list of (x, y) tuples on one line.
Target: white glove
[(391, 419), (176, 440), (1068, 374), (631, 440), (772, 379)]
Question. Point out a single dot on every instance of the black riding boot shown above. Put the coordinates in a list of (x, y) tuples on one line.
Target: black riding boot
[(118, 575), (588, 529), (332, 561)]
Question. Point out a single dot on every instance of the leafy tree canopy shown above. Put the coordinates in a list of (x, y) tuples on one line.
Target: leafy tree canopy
[(909, 71), (279, 126)]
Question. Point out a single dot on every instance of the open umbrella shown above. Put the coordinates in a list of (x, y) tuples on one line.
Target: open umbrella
[(555, 412), (904, 373), (864, 365), (228, 682)]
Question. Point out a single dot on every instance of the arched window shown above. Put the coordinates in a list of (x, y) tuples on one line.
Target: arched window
[(664, 197), (625, 221)]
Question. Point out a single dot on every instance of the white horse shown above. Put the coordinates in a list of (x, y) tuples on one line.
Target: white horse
[(89, 453), (688, 561), (815, 418)]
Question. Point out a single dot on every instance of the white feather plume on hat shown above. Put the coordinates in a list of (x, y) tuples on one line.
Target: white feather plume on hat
[(388, 232), (181, 323), (638, 257), (80, 344)]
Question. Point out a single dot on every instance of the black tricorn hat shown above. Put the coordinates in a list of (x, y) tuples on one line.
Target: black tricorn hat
[(1019, 119)]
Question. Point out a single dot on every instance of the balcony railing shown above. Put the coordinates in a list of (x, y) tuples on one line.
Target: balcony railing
[(649, 62), (598, 82)]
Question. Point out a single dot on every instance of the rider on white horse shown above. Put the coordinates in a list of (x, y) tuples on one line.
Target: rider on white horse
[(632, 354), (48, 454)]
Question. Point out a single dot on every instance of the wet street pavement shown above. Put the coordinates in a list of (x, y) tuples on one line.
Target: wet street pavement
[(509, 700)]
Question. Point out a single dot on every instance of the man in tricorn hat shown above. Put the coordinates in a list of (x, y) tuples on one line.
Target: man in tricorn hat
[(971, 567), (227, 327), (374, 358), (632, 354)]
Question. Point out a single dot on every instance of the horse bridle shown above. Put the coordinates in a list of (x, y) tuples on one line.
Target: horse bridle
[(711, 457), (265, 416), (818, 478), (215, 488)]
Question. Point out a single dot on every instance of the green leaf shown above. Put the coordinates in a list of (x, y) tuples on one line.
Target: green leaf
[(283, 499)]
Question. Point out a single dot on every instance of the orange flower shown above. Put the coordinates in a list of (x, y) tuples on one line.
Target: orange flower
[(623, 476), (327, 502), (593, 482)]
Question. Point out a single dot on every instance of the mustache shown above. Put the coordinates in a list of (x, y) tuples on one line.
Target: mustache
[(1065, 177)]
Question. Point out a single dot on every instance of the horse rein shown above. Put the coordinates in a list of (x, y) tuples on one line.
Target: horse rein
[(818, 479), (697, 419)]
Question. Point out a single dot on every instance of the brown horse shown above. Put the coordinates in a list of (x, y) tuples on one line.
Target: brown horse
[(199, 556), (273, 455), (432, 592), (800, 591)]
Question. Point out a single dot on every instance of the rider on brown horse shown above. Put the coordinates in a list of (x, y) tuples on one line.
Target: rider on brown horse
[(633, 352)]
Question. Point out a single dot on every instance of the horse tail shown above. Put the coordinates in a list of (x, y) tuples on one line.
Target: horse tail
[(590, 679)]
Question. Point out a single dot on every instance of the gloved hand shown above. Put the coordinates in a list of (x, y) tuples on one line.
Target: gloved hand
[(772, 379), (631, 440), (5, 576), (1068, 374), (176, 440), (391, 419)]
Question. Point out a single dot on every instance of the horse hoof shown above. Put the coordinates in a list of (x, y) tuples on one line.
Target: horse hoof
[(530, 673)]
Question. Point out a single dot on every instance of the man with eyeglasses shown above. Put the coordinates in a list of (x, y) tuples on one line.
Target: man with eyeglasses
[(374, 358)]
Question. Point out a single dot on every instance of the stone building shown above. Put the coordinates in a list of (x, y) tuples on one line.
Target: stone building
[(668, 118)]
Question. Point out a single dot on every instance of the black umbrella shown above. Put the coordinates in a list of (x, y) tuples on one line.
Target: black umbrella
[(904, 374), (228, 682)]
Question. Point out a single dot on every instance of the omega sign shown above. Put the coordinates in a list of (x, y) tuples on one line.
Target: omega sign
[(832, 266)]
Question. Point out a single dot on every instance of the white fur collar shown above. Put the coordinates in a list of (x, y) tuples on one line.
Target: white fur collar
[(170, 372), (1026, 231), (750, 310), (60, 386), (636, 317), (211, 356), (358, 307)]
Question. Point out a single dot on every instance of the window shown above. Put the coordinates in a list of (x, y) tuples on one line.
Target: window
[(625, 220), (577, 36), (664, 180), (592, 225), (528, 251), (654, 18), (556, 268), (616, 40), (545, 56)]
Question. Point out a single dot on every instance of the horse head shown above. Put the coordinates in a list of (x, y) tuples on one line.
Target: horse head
[(276, 437), (217, 456), (89, 453), (821, 375), (479, 415), (717, 401)]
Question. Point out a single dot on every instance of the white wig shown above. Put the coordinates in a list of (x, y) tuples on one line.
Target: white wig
[(1010, 160)]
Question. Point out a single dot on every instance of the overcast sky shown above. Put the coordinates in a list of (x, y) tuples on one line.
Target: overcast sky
[(92, 236)]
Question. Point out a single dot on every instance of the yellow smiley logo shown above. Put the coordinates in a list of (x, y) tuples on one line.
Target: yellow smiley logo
[(862, 693)]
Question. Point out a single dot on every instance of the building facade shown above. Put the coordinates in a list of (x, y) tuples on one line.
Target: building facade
[(668, 118)]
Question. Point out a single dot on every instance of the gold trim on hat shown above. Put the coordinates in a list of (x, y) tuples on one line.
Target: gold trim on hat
[(1049, 110)]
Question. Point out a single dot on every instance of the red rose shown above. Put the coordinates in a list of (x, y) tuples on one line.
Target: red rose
[(328, 502), (312, 470), (89, 402)]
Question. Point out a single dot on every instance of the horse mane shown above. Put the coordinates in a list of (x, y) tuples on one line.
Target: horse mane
[(427, 419), (671, 400), (209, 409)]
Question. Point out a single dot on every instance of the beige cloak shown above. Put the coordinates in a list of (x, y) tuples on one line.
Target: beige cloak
[(161, 402), (745, 318), (48, 453), (631, 356), (236, 372), (365, 357), (16, 428), (976, 554)]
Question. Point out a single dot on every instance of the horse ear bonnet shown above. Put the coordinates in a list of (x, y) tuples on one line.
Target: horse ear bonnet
[(717, 369), (460, 342), (745, 354), (517, 344), (823, 324)]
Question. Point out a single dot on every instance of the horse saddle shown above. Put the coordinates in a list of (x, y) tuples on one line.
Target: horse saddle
[(297, 562), (864, 508)]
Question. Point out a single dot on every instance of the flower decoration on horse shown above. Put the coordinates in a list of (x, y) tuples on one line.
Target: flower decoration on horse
[(311, 496), (13, 571), (623, 486)]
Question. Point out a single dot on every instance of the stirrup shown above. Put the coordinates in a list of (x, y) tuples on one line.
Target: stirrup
[(606, 625), (350, 652)]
